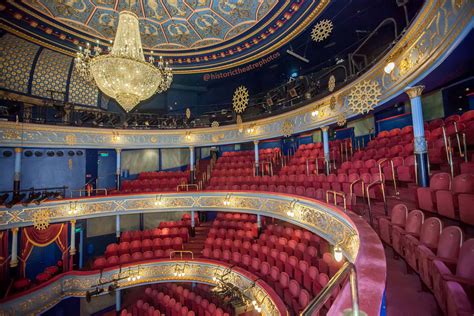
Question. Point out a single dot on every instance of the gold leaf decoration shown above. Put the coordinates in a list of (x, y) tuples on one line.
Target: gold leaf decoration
[(364, 96), (188, 113), (341, 119), (332, 103), (332, 83), (240, 99), (70, 139), (41, 219), (321, 30), (287, 128), (239, 123), (215, 124)]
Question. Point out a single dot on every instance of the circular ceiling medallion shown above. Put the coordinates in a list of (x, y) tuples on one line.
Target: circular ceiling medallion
[(196, 35)]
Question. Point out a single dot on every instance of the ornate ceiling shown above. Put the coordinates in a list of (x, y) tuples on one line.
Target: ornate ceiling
[(195, 35)]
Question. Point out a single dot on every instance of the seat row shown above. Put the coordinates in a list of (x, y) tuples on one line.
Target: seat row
[(451, 198), (164, 232), (143, 246), (102, 262), (439, 254), (163, 174), (236, 217)]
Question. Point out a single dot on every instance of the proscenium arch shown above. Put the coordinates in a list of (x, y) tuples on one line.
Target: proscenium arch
[(76, 283), (327, 221)]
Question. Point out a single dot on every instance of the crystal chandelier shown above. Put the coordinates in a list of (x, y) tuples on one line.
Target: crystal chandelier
[(123, 73)]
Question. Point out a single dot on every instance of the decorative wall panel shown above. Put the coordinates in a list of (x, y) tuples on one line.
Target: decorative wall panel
[(51, 73), (81, 91), (17, 56)]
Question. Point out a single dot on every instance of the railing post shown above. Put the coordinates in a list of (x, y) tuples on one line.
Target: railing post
[(354, 291)]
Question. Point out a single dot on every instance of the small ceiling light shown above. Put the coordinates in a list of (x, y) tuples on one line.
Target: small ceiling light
[(389, 67), (467, 89), (338, 254)]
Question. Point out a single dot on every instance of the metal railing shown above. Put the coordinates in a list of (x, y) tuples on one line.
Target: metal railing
[(394, 175), (187, 186), (88, 192), (181, 252), (382, 186), (318, 302), (335, 194)]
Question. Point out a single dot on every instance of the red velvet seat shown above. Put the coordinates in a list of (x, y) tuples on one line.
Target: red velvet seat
[(412, 227), (429, 237), (453, 288), (406, 172), (427, 196), (447, 200), (99, 263), (449, 243), (125, 258), (397, 217)]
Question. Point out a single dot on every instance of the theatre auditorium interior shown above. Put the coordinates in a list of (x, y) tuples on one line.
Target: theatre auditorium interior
[(237, 157)]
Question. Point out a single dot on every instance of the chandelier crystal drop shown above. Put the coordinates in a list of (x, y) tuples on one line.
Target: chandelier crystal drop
[(123, 73)]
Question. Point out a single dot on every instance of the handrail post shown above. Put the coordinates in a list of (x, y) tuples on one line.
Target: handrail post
[(354, 290), (461, 154), (465, 146)]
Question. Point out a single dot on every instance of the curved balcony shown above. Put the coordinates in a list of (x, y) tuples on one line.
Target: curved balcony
[(358, 242)]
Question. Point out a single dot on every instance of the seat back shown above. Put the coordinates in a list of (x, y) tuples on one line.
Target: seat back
[(450, 241), (463, 183), (414, 221), (399, 215), (465, 266), (440, 181), (430, 232)]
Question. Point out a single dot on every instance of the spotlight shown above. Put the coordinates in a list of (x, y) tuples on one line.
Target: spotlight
[(15, 199), (338, 253), (30, 198), (96, 292), (389, 67), (3, 198), (41, 198)]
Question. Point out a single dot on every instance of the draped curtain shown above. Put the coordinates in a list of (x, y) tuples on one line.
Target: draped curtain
[(31, 237), (3, 255)]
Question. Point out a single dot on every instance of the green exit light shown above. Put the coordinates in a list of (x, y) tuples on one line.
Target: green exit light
[(78, 230), (104, 154)]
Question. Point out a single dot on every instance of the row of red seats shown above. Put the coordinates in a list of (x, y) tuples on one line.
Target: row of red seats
[(385, 151), (152, 185), (224, 172), (439, 255), (228, 228), (236, 217), (163, 174), (102, 262), (143, 246), (452, 198), (179, 231)]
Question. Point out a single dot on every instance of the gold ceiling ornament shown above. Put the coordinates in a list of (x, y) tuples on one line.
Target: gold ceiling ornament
[(364, 96), (188, 113), (239, 123), (332, 83), (240, 99), (41, 219), (123, 73), (287, 128), (341, 119), (215, 124), (321, 30), (332, 103)]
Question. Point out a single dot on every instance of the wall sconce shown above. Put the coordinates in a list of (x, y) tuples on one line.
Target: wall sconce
[(251, 129), (227, 200), (389, 67), (133, 275), (338, 253), (180, 270), (159, 200), (314, 113), (292, 208), (188, 136)]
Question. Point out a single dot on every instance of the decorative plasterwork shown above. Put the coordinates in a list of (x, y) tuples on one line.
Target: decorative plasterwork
[(74, 284), (438, 28), (326, 221)]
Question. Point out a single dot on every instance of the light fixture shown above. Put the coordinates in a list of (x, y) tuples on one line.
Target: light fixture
[(158, 200), (188, 136), (123, 73), (338, 253), (73, 208), (227, 200), (180, 270), (315, 113), (115, 137), (292, 208), (389, 67), (251, 128)]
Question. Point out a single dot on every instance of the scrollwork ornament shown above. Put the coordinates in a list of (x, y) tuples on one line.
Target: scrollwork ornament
[(240, 99), (41, 219), (332, 83), (215, 124), (341, 119), (321, 30), (287, 128), (332, 103), (364, 96)]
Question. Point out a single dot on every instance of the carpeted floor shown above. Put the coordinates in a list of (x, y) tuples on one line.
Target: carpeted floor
[(403, 292)]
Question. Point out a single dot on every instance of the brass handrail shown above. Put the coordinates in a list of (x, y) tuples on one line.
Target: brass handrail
[(351, 187), (181, 252), (465, 146), (450, 157), (318, 302), (335, 194), (445, 143), (461, 154), (368, 199), (380, 163), (86, 191), (187, 186)]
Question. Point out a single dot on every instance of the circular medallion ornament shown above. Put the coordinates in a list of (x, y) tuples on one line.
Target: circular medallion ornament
[(364, 96), (332, 103), (321, 30), (41, 219), (188, 113), (215, 124), (331, 83), (240, 99), (341, 119), (287, 128)]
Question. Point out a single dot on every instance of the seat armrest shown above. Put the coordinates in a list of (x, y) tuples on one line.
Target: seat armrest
[(463, 281)]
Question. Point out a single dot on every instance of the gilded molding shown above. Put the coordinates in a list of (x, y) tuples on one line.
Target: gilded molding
[(73, 284), (414, 92), (438, 28), (320, 218)]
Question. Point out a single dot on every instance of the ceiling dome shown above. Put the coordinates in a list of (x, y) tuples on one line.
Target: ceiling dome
[(195, 35)]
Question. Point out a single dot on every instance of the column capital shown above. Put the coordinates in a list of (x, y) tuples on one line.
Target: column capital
[(325, 128), (118, 150), (191, 147), (73, 222), (14, 229), (18, 150), (415, 91), (255, 142)]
